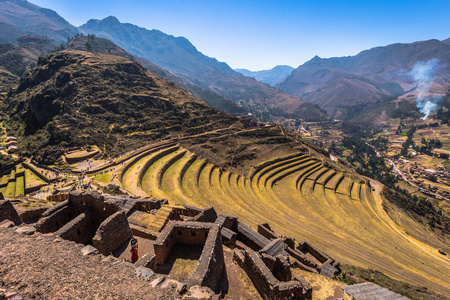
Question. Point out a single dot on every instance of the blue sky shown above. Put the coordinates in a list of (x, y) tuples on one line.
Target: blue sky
[(259, 35)]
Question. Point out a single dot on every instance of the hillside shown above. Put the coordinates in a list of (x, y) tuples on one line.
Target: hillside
[(21, 56), (179, 56), (343, 85), (46, 268), (101, 45), (272, 76), (18, 17), (78, 98)]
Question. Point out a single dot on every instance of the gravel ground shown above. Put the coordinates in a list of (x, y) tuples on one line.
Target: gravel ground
[(44, 267)]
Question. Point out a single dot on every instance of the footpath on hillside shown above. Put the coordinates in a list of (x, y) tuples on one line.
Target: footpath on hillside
[(45, 267)]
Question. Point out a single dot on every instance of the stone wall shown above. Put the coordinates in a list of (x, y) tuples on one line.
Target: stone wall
[(54, 221), (319, 255), (33, 214), (57, 198), (175, 232), (266, 231), (211, 263), (8, 212), (250, 237), (208, 215), (227, 221), (112, 233), (144, 232), (267, 285), (80, 229), (101, 207)]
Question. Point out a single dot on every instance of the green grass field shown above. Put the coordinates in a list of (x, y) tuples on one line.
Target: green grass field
[(104, 178)]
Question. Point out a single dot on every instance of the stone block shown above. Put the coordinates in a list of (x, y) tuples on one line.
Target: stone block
[(8, 212), (145, 273), (328, 270), (112, 233), (157, 281), (6, 224), (89, 250), (28, 230), (199, 292)]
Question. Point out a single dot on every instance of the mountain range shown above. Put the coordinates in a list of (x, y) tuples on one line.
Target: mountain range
[(180, 57), (341, 87), (272, 76), (345, 85), (19, 17)]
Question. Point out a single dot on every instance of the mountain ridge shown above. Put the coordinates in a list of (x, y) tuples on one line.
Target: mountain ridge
[(373, 75), (179, 56), (272, 76), (24, 17)]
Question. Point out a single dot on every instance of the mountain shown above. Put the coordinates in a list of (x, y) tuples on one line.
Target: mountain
[(271, 76), (101, 45), (76, 98), (18, 17), (180, 57), (346, 85)]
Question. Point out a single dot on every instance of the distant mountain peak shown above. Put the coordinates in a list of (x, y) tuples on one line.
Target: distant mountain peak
[(111, 19)]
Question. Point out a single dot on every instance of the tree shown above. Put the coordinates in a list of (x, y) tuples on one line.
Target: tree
[(88, 46)]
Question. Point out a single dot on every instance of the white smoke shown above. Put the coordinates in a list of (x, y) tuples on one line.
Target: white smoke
[(423, 73)]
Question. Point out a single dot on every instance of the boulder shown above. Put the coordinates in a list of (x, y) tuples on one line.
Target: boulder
[(145, 273), (28, 230), (8, 212), (89, 250)]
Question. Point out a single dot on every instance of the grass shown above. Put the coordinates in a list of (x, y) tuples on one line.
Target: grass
[(10, 190), (181, 262), (351, 226), (20, 187), (104, 178), (352, 275), (4, 179), (32, 179)]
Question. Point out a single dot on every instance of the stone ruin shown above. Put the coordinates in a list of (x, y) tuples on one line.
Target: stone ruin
[(88, 218), (108, 223), (211, 264)]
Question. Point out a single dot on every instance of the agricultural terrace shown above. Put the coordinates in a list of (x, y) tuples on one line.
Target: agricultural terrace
[(300, 196), (20, 181)]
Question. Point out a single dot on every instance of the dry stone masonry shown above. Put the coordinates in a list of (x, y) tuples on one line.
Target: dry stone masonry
[(108, 223)]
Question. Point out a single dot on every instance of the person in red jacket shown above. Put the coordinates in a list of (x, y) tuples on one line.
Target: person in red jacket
[(134, 254)]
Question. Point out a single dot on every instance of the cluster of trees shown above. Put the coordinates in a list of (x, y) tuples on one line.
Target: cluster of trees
[(443, 112), (409, 141), (428, 145)]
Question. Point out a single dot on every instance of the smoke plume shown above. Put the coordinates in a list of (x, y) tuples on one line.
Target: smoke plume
[(423, 73)]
